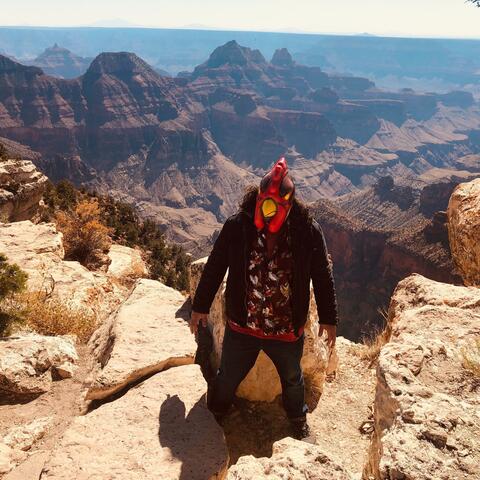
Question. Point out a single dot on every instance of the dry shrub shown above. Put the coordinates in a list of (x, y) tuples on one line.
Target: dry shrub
[(130, 276), (371, 345), (85, 238), (471, 357), (47, 315)]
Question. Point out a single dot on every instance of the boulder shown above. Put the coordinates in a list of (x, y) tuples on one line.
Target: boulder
[(125, 263), (38, 250), (24, 436), (21, 189), (262, 383), (19, 440), (292, 460), (426, 406), (146, 335), (464, 230), (160, 429), (28, 361)]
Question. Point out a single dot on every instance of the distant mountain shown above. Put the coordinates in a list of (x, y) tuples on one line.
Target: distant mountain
[(421, 63), (61, 62)]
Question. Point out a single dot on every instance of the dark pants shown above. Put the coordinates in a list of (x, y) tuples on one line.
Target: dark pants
[(239, 353)]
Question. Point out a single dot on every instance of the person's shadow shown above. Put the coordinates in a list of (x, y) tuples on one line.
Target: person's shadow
[(194, 439)]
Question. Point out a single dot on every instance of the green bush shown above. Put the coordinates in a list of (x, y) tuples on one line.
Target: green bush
[(12, 280)]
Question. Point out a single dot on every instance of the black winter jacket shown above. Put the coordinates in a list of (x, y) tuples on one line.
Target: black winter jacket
[(231, 251)]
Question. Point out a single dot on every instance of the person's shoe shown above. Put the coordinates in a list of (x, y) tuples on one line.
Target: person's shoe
[(301, 431)]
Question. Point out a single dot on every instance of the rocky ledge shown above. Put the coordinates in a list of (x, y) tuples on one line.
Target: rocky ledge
[(21, 189), (426, 403)]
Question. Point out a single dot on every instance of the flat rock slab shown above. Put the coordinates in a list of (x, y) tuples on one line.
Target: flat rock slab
[(292, 460), (161, 429), (145, 336), (27, 362)]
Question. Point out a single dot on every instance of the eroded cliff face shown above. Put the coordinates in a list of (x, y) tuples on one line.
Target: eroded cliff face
[(121, 120), (378, 237)]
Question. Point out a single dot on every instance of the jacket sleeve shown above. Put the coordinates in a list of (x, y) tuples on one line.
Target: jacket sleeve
[(213, 272), (322, 279)]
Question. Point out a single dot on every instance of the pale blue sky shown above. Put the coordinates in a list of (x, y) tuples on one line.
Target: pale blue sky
[(438, 18)]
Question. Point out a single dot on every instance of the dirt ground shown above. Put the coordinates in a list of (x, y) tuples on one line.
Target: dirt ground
[(250, 428), (342, 421)]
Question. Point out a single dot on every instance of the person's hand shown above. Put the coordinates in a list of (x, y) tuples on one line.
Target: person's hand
[(195, 319), (331, 331)]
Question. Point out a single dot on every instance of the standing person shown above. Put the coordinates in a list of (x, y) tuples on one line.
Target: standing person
[(272, 249)]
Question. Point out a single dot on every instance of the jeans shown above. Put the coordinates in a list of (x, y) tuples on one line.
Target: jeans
[(239, 354)]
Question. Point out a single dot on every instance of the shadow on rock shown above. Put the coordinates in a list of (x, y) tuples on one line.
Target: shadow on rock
[(253, 427), (187, 438)]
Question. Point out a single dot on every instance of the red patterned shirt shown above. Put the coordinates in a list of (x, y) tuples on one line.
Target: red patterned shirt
[(269, 280)]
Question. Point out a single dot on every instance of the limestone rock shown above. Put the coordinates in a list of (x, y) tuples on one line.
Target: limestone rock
[(9, 457), (160, 429), (146, 335), (21, 189), (263, 383), (38, 249), (426, 406), (30, 469), (464, 230), (292, 460), (126, 262), (27, 362), (24, 436)]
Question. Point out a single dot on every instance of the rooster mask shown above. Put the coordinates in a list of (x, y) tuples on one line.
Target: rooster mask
[(275, 197)]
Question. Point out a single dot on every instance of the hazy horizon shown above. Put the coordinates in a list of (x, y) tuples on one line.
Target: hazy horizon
[(390, 18)]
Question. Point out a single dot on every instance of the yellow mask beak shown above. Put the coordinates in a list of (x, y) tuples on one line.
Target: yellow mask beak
[(269, 208)]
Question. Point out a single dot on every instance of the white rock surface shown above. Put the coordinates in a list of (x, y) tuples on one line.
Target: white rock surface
[(27, 362), (464, 230), (161, 429), (29, 469), (9, 457), (146, 335), (126, 262), (263, 382), (291, 460), (38, 250), (18, 440), (21, 189), (24, 436), (426, 406)]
